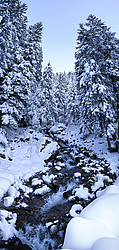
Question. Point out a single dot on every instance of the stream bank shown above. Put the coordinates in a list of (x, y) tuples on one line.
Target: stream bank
[(70, 178)]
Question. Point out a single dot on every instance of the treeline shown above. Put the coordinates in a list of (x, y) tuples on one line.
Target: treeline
[(29, 96)]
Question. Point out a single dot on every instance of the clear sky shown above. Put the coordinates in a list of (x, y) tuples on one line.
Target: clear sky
[(60, 20)]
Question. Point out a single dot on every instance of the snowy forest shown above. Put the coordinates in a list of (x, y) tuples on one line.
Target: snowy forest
[(41, 101), (87, 97)]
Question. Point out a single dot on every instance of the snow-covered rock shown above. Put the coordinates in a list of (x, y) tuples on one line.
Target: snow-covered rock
[(36, 182), (12, 191), (8, 201), (76, 208), (82, 192), (7, 224), (77, 175), (23, 204), (25, 189), (43, 190)]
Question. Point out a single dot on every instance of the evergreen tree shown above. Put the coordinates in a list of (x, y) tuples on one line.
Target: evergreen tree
[(34, 53), (96, 67), (72, 100), (65, 98), (20, 68), (14, 86), (46, 97), (33, 57), (61, 96), (55, 96)]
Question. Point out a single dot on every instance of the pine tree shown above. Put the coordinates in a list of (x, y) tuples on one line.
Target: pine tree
[(21, 64), (72, 100), (65, 98), (14, 86), (46, 98), (61, 83), (35, 54), (33, 57), (97, 55)]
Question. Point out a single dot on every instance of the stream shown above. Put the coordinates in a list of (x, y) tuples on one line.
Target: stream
[(42, 223)]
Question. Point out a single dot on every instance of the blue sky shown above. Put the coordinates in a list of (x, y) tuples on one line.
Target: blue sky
[(60, 20)]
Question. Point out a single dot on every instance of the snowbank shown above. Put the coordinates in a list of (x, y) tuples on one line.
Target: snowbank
[(82, 233), (6, 180), (7, 224), (106, 244), (105, 209), (28, 153), (97, 227)]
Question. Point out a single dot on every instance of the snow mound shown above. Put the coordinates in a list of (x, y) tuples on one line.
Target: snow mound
[(104, 209), (82, 233), (6, 180), (97, 227), (76, 208), (6, 174), (36, 182), (8, 201), (82, 192), (112, 189), (5, 184), (40, 191), (7, 224), (106, 244)]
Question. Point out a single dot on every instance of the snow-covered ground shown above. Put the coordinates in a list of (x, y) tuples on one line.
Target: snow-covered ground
[(26, 155), (98, 145)]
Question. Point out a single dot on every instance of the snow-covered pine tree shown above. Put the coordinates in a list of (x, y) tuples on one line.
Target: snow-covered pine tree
[(14, 86), (61, 83), (46, 116), (65, 98), (72, 100), (35, 54), (94, 62), (20, 68), (33, 57), (55, 96)]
